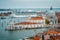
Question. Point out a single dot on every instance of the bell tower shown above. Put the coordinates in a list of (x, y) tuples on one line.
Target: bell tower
[(51, 8)]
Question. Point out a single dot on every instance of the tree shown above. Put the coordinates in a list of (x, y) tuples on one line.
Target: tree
[(47, 21)]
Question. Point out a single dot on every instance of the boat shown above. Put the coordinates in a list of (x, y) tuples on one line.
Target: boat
[(10, 28), (28, 38), (3, 18)]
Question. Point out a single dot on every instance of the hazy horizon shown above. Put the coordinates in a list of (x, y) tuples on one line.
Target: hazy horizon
[(29, 3)]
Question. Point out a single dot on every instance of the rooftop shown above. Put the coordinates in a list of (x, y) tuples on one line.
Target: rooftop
[(25, 23), (36, 18)]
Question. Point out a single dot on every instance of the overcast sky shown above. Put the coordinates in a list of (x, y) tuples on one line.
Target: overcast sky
[(29, 3)]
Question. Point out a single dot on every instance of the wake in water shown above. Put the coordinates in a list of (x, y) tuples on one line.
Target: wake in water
[(14, 15)]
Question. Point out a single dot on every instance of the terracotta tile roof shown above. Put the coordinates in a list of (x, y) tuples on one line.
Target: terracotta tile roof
[(25, 23), (58, 36), (36, 18), (52, 31)]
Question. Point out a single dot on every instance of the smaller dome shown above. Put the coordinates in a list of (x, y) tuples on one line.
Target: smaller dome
[(51, 12)]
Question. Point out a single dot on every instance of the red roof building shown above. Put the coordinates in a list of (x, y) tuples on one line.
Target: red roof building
[(58, 16), (36, 18), (32, 22)]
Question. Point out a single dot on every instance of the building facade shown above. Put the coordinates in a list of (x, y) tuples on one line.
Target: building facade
[(32, 22)]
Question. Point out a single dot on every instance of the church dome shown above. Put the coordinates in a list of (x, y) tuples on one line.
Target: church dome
[(51, 11)]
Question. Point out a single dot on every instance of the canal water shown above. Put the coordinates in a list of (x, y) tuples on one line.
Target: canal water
[(16, 35)]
